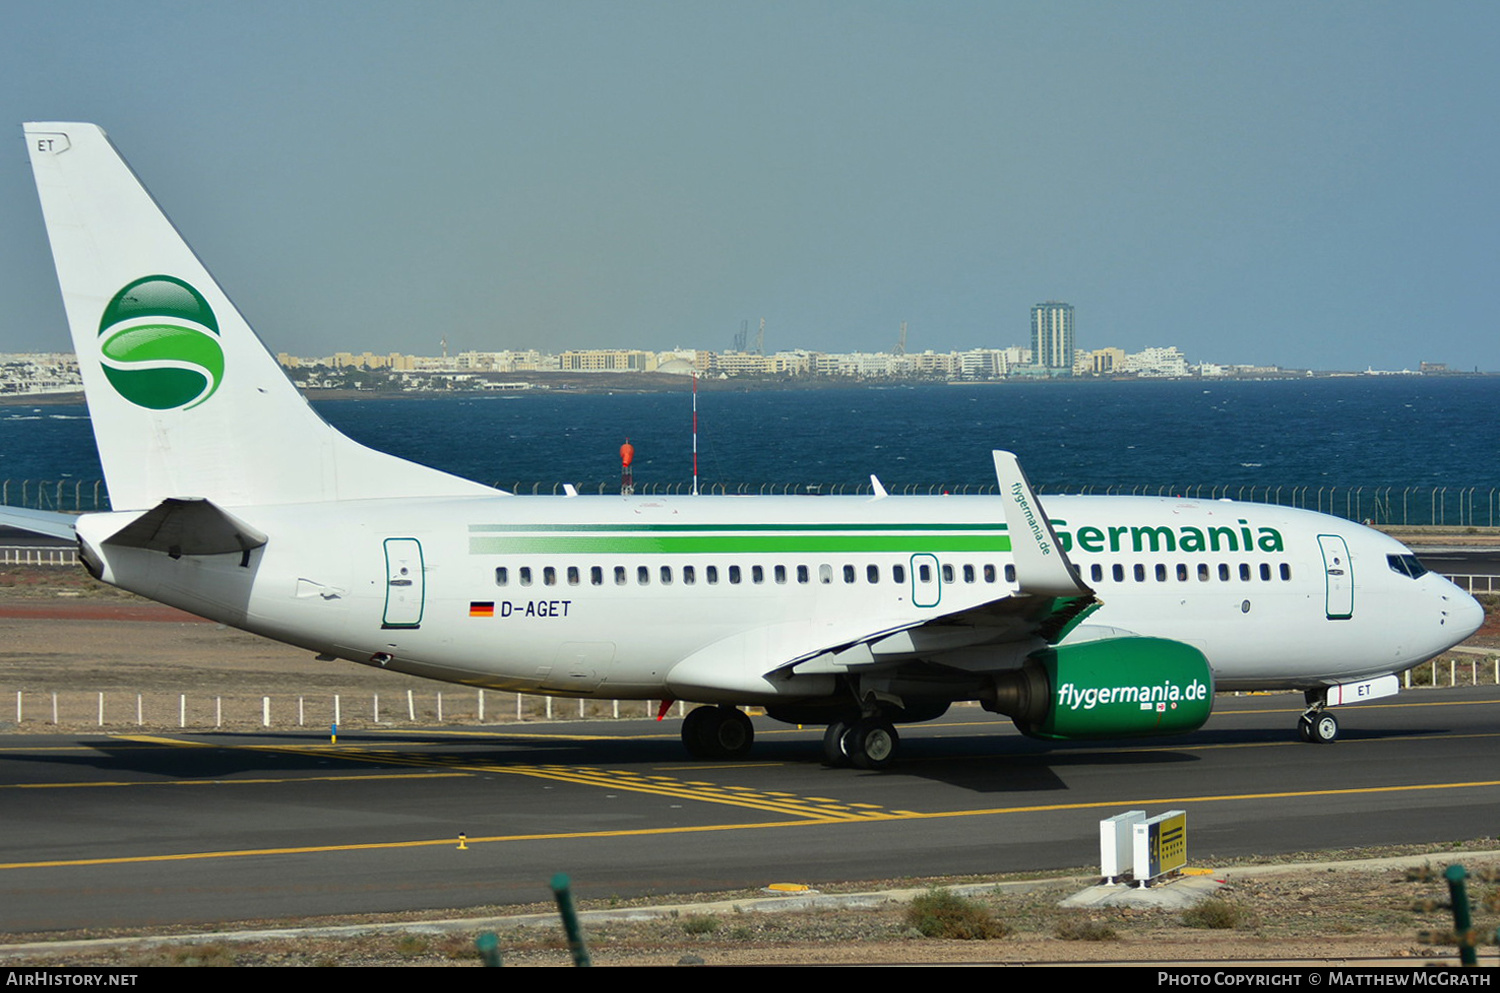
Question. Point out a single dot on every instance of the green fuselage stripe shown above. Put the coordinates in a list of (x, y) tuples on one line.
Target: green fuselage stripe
[(843, 529), (731, 544)]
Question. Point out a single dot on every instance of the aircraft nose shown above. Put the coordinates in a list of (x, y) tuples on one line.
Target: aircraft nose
[(1464, 614)]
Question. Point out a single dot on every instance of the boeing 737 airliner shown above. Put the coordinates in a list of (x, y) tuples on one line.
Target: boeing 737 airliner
[(1096, 617)]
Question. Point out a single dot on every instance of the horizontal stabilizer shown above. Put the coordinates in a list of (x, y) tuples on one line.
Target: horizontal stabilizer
[(188, 527), (47, 522)]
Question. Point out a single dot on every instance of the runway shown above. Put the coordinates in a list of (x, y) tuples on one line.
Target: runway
[(142, 830)]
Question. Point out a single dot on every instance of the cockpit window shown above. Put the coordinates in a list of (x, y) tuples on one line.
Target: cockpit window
[(1406, 565)]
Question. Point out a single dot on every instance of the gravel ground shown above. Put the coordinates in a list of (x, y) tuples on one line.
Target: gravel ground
[(1380, 909)]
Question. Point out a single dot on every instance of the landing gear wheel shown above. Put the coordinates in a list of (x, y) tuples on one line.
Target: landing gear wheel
[(872, 743), (835, 754), (717, 733), (1325, 728), (693, 726), (1318, 728)]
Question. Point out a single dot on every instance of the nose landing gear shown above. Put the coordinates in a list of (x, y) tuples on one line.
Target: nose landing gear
[(1317, 725)]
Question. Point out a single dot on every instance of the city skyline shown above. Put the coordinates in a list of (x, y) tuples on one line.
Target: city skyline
[(1266, 182)]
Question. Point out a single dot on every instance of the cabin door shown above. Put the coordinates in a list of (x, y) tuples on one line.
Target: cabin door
[(1339, 577), (405, 584), (926, 580)]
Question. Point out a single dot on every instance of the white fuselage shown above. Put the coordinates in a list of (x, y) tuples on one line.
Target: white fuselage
[(606, 596)]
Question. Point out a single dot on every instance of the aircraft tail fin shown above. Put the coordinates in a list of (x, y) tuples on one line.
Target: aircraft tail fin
[(184, 398)]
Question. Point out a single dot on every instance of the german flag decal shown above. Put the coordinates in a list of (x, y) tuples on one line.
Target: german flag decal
[(481, 608)]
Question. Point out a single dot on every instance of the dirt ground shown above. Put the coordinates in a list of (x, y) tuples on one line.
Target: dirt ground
[(63, 634)]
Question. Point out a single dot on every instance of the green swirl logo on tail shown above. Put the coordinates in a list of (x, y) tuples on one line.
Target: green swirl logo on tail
[(159, 344)]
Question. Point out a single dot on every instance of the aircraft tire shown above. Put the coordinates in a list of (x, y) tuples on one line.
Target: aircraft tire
[(1305, 729), (1325, 729), (835, 752), (872, 744), (694, 726), (730, 735)]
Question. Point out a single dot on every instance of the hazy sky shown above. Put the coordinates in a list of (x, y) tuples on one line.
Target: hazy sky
[(1306, 183)]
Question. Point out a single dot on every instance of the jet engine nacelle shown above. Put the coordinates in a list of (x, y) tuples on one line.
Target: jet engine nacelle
[(1114, 688)]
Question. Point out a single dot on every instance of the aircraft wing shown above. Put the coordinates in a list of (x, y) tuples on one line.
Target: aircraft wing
[(47, 522), (1049, 602)]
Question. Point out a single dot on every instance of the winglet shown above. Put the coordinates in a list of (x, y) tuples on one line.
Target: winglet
[(876, 486), (1042, 568)]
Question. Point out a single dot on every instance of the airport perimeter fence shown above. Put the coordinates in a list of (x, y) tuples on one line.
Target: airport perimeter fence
[(1390, 506), (68, 495), (1397, 506), (348, 713)]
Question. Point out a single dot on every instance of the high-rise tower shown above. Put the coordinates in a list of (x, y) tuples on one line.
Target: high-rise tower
[(1052, 337)]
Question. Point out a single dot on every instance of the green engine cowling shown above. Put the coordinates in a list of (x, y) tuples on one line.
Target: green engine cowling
[(1114, 688)]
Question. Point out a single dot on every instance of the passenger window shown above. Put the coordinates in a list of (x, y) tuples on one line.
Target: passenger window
[(969, 572), (1096, 572), (666, 575), (734, 574), (643, 575), (1119, 572), (502, 575), (1286, 571), (572, 575), (1182, 573), (947, 573), (689, 575), (924, 572), (825, 573), (780, 573), (620, 575), (848, 573), (1265, 571), (711, 573), (1010, 574), (596, 576), (1203, 574), (1161, 572), (989, 572), (525, 573), (549, 576), (802, 576), (1224, 571), (1245, 572), (1140, 573), (872, 574), (898, 573), (757, 575)]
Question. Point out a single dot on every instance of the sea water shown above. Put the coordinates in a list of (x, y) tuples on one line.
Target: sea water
[(1393, 431)]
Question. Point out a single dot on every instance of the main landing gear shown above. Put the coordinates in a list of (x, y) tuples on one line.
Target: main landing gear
[(866, 743), (717, 733), (1317, 725)]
